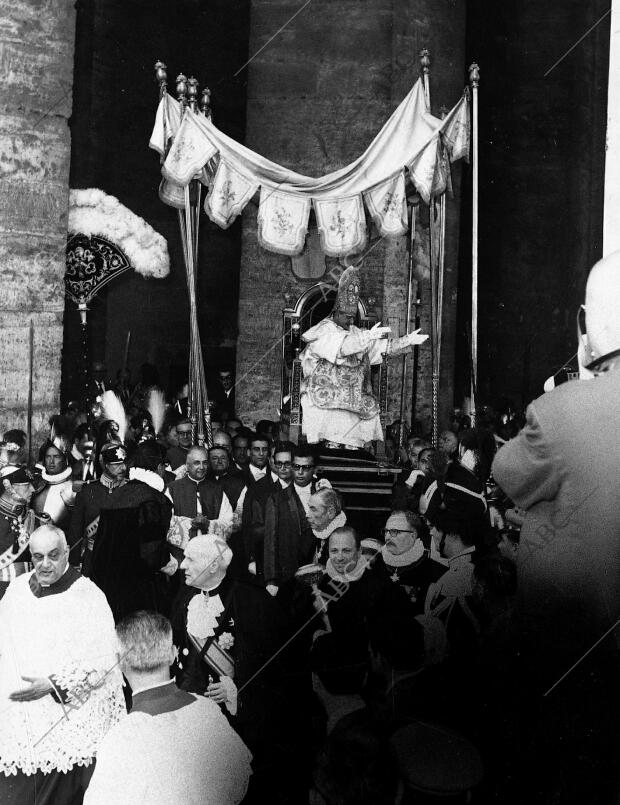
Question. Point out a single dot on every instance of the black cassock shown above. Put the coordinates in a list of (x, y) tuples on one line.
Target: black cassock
[(130, 550)]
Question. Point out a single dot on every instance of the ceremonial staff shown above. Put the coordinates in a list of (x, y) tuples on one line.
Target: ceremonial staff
[(474, 79), (403, 377), (30, 382)]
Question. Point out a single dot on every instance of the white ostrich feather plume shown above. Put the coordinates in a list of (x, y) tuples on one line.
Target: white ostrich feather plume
[(93, 212), (156, 406), (113, 409)]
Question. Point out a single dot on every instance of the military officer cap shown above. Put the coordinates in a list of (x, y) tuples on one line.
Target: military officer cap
[(113, 454)]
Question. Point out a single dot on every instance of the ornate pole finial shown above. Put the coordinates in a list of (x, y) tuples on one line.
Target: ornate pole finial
[(161, 76), (425, 61), (205, 103), (474, 74), (182, 89), (192, 93)]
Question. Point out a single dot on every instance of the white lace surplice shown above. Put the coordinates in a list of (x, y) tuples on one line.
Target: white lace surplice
[(70, 635)]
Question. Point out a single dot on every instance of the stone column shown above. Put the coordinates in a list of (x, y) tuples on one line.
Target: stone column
[(611, 214), (36, 51)]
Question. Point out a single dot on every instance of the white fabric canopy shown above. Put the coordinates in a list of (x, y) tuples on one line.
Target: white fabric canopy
[(412, 138)]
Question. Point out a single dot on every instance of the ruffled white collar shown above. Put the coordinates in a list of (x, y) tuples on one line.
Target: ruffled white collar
[(351, 575), (202, 614), (339, 521), (56, 479), (410, 556), (148, 477)]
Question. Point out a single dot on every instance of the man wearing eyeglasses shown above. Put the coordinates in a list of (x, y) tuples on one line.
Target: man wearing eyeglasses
[(176, 456), (407, 559), (289, 541), (305, 482), (563, 470)]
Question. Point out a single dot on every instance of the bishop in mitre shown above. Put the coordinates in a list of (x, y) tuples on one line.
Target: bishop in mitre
[(337, 399)]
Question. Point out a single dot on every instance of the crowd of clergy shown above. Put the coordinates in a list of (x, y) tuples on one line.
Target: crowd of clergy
[(281, 651)]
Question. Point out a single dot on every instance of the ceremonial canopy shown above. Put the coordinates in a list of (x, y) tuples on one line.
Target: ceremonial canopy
[(412, 143)]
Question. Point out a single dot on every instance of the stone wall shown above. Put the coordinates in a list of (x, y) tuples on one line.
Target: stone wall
[(36, 53), (317, 95)]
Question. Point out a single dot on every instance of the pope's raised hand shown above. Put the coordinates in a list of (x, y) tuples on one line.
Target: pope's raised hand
[(416, 337), (377, 331)]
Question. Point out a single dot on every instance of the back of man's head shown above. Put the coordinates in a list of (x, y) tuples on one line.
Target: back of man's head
[(330, 499), (145, 640), (603, 306), (149, 456), (455, 524)]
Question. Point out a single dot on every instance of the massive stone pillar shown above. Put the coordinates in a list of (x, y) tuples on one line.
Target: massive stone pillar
[(36, 47), (317, 95)]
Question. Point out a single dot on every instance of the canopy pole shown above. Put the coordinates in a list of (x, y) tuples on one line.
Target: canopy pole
[(425, 64), (30, 384), (474, 79), (403, 375), (441, 263), (189, 225)]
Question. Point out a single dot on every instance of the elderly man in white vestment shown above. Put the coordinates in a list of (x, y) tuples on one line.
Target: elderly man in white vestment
[(60, 685), (175, 747), (337, 398)]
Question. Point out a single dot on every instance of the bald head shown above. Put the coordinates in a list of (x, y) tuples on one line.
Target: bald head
[(603, 306), (50, 553), (222, 439), (48, 536)]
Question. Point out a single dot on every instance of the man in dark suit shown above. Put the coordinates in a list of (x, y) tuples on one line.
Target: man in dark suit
[(222, 394), (563, 470), (261, 481), (259, 452), (177, 454)]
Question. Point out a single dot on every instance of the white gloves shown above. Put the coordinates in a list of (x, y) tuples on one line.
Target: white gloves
[(398, 346), (377, 331)]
